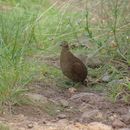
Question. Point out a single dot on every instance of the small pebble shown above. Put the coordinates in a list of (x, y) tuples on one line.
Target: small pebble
[(62, 116), (118, 124), (126, 118), (30, 125)]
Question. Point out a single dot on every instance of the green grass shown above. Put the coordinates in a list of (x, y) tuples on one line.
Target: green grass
[(31, 28), (3, 127), (14, 46)]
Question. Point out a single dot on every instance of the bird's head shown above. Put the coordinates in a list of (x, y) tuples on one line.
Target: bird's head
[(64, 45)]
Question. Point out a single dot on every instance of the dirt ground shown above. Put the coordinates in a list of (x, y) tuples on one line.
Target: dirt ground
[(57, 108)]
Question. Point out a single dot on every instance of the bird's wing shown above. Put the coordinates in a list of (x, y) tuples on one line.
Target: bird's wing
[(77, 68)]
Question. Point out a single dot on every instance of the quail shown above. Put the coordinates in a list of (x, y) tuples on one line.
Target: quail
[(71, 66)]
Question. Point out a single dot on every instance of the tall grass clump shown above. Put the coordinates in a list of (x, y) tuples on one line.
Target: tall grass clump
[(22, 30), (26, 28), (3, 127), (15, 45), (108, 28)]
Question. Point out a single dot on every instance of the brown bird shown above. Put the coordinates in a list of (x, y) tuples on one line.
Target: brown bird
[(71, 66)]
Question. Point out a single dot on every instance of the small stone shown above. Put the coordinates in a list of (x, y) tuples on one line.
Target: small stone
[(72, 90), (30, 125), (118, 124), (114, 116), (58, 110), (126, 118), (61, 116), (64, 103), (106, 77), (93, 114)]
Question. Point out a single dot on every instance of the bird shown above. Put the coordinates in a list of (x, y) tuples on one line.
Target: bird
[(71, 66)]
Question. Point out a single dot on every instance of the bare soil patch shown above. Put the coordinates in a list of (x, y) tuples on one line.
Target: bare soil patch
[(62, 106)]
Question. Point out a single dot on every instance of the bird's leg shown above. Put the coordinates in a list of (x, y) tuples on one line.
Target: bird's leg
[(85, 82)]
